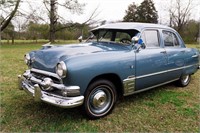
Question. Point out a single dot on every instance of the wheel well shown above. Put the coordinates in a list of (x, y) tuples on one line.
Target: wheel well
[(112, 78)]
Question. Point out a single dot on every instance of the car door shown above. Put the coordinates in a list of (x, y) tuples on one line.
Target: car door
[(175, 53), (150, 62)]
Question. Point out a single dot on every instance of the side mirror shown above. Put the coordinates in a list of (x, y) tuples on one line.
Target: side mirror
[(80, 39), (135, 39), (140, 44)]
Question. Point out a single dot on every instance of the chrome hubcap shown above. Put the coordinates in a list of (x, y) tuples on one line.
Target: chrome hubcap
[(185, 79), (99, 99)]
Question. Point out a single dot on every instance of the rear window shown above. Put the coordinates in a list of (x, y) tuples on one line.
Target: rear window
[(170, 39)]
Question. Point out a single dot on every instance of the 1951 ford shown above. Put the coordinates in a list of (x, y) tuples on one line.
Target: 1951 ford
[(118, 59)]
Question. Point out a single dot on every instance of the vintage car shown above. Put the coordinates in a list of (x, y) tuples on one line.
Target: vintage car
[(118, 59)]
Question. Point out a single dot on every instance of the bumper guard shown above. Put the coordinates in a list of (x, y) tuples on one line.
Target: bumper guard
[(40, 95)]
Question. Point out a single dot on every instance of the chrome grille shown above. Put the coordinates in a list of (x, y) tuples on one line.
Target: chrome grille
[(41, 76)]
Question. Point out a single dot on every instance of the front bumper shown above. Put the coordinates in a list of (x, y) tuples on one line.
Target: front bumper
[(25, 83)]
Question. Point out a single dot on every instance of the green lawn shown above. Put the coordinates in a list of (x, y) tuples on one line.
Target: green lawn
[(164, 109), (39, 41)]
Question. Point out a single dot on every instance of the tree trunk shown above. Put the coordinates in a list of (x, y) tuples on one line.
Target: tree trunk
[(6, 22), (53, 20), (13, 37)]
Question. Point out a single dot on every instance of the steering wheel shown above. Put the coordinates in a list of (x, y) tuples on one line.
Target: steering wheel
[(125, 40)]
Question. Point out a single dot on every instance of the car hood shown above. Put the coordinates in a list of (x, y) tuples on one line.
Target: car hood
[(47, 58)]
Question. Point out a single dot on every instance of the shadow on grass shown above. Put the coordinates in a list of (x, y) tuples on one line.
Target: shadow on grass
[(36, 117), (46, 111), (149, 94)]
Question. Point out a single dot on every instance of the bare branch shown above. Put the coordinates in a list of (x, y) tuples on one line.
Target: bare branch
[(73, 6), (180, 14), (92, 16), (89, 21), (5, 24), (45, 4)]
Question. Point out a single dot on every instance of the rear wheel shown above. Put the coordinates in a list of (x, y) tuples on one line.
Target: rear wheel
[(100, 99), (184, 80)]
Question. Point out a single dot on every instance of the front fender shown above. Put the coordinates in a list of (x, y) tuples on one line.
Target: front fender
[(82, 69)]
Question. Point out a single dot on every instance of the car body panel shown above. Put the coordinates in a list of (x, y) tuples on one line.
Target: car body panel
[(150, 61), (136, 68), (47, 59), (118, 63)]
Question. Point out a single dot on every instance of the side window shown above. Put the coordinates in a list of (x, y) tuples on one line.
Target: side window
[(150, 37), (170, 39), (107, 36), (122, 36)]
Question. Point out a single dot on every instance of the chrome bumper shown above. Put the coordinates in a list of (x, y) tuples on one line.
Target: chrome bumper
[(40, 95)]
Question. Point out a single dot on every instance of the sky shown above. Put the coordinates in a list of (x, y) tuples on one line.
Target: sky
[(112, 10)]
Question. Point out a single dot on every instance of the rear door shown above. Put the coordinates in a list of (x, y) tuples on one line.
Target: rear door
[(150, 62), (175, 53)]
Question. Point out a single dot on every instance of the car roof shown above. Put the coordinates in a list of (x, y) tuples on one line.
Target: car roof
[(131, 25)]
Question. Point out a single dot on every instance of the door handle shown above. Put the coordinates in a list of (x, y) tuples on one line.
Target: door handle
[(194, 56), (164, 52)]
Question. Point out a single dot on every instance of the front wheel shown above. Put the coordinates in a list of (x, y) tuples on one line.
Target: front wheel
[(184, 80), (100, 99)]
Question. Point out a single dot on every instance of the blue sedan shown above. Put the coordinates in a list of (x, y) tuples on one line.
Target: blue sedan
[(118, 59)]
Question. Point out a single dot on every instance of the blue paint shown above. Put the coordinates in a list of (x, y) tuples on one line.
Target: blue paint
[(89, 60)]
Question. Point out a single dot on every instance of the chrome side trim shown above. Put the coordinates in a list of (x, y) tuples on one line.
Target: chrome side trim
[(170, 70), (152, 74), (129, 85), (148, 88)]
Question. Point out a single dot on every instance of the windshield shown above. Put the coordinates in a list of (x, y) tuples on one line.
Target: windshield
[(116, 36)]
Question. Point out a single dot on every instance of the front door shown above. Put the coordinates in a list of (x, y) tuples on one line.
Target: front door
[(150, 62)]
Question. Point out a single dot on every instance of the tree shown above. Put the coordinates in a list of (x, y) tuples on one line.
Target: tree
[(36, 31), (146, 12), (5, 22), (8, 32), (190, 31), (180, 14), (71, 5), (131, 13)]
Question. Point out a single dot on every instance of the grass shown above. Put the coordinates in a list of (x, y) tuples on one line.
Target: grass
[(39, 41), (164, 109)]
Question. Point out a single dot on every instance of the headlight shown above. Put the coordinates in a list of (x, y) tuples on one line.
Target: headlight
[(27, 59), (61, 69)]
